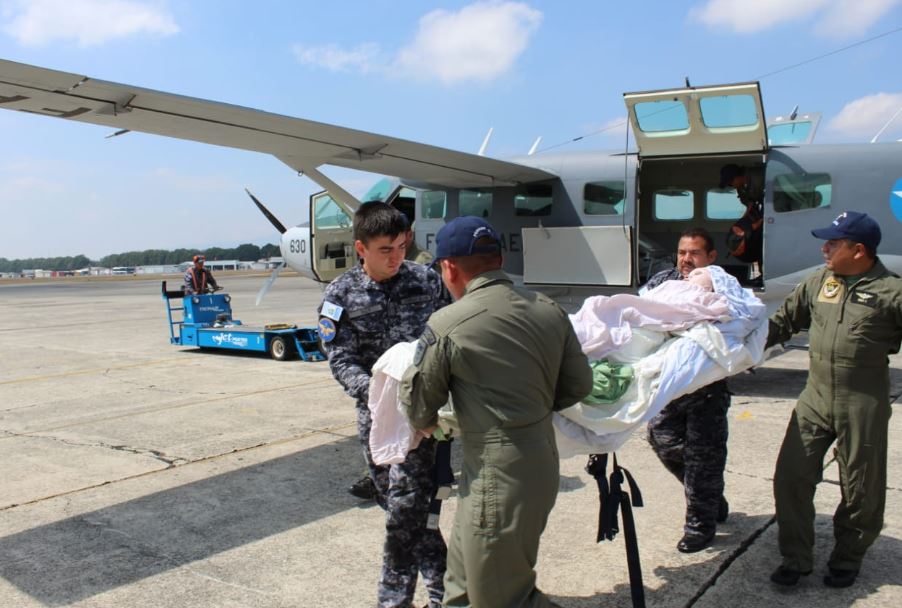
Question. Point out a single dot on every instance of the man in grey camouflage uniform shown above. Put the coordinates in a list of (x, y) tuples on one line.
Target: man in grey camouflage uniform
[(370, 308), (689, 435)]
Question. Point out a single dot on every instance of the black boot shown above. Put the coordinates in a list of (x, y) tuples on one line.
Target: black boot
[(364, 488)]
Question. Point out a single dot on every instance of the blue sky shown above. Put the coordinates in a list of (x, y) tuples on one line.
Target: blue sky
[(436, 72)]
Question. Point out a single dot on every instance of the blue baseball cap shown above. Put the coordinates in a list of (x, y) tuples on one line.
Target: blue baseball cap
[(458, 238), (857, 227)]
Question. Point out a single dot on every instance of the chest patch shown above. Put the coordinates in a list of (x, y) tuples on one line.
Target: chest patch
[(831, 291), (864, 297)]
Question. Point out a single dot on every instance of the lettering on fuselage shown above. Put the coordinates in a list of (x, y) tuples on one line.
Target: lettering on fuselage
[(512, 237)]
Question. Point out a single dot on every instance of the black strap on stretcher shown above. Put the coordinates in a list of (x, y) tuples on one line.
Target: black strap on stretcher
[(443, 476), (612, 498)]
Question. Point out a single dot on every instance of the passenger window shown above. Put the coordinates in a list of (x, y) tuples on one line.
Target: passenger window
[(674, 204), (536, 200), (662, 115), (471, 202), (788, 133), (603, 198), (794, 192), (727, 111), (433, 204), (723, 204)]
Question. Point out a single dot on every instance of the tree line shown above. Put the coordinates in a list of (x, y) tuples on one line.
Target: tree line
[(149, 257)]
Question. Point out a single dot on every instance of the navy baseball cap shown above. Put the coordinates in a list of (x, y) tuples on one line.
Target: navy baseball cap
[(857, 227), (458, 238)]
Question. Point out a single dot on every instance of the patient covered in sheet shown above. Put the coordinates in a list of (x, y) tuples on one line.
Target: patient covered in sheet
[(676, 336)]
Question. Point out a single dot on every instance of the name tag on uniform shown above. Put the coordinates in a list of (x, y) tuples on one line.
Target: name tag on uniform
[(865, 297), (332, 311)]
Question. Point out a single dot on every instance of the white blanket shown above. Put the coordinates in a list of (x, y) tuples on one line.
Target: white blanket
[(692, 353), (391, 435)]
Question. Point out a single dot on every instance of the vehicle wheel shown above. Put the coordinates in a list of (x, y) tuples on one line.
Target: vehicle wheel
[(279, 349)]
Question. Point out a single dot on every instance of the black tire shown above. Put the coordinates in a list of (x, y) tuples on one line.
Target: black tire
[(279, 348)]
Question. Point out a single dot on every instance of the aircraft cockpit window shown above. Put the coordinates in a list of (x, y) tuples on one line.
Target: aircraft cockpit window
[(433, 204), (329, 215), (603, 198), (661, 116), (379, 191), (729, 111), (794, 192), (536, 200), (674, 204), (471, 202), (723, 204), (788, 133)]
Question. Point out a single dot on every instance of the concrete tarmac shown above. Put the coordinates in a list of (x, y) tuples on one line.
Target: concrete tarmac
[(140, 474)]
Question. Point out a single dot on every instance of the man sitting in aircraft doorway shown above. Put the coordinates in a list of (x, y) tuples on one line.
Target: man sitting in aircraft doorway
[(198, 279), (745, 238), (689, 435)]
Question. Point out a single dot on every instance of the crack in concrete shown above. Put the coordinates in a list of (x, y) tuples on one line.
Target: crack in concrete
[(738, 552), (155, 454)]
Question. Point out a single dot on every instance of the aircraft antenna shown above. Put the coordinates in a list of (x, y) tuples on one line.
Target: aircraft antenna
[(794, 113), (888, 123), (485, 142), (534, 146)]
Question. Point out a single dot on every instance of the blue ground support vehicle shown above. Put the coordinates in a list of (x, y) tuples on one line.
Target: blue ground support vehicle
[(206, 322)]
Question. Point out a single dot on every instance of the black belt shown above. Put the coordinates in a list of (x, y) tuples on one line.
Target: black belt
[(611, 499)]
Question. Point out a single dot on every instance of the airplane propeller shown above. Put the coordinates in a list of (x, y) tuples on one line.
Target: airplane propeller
[(281, 228)]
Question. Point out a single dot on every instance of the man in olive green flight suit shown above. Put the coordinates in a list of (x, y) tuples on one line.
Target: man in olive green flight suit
[(508, 357), (854, 309)]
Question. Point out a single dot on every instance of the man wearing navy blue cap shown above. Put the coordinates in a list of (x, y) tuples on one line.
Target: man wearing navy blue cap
[(508, 357), (853, 307)]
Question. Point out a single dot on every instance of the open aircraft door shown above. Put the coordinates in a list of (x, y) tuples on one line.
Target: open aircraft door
[(331, 238), (723, 119)]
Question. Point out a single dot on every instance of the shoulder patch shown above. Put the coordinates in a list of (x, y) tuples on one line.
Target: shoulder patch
[(331, 311), (420, 351), (429, 336), (327, 329)]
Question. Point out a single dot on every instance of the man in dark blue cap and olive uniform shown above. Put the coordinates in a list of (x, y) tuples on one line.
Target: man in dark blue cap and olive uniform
[(509, 357), (854, 309)]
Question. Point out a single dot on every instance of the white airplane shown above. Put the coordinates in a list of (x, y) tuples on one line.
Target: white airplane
[(573, 224)]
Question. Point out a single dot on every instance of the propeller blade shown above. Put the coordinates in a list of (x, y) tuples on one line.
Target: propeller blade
[(272, 279), (272, 219)]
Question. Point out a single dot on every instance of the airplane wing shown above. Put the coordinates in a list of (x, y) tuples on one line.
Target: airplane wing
[(301, 144)]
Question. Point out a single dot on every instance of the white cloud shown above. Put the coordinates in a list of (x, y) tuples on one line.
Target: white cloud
[(87, 22), (853, 17), (841, 18), (864, 117), (363, 58), (479, 42)]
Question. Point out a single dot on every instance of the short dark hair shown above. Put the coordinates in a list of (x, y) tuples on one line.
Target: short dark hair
[(375, 219), (700, 233), (478, 263)]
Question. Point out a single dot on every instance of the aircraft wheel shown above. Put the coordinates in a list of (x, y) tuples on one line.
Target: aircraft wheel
[(279, 349)]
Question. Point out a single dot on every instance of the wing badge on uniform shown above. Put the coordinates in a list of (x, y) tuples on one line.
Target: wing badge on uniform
[(327, 329)]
